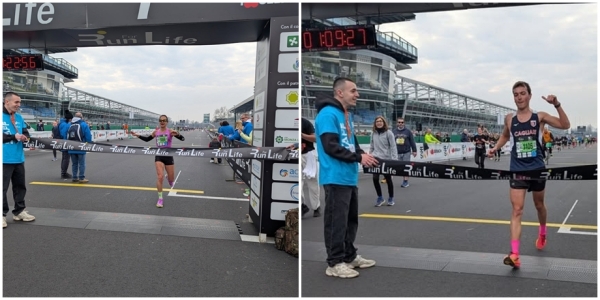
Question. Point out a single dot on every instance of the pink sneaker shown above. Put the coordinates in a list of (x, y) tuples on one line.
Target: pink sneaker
[(171, 184), (159, 204)]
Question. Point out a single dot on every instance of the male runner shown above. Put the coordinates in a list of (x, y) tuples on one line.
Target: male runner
[(524, 129)]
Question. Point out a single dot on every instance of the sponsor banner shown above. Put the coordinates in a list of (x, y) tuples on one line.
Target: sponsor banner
[(268, 153), (287, 98), (288, 63), (286, 172), (287, 118), (279, 209), (284, 138), (255, 203), (256, 167), (284, 191), (257, 138), (440, 171), (289, 41), (255, 185)]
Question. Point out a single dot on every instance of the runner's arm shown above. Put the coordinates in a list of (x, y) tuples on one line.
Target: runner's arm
[(560, 122)]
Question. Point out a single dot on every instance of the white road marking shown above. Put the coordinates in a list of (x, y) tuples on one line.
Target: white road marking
[(255, 239), (567, 229), (174, 194)]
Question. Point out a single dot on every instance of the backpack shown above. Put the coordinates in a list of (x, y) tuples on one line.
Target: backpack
[(75, 133)]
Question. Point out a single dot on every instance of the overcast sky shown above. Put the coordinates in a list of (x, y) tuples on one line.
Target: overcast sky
[(183, 82), (483, 52)]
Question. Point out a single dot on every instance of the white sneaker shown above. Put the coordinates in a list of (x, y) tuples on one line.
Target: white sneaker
[(341, 270), (361, 262), (4, 222), (24, 216)]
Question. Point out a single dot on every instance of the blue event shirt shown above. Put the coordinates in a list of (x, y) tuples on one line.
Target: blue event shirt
[(332, 170), (12, 152)]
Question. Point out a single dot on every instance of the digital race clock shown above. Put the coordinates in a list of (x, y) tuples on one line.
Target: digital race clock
[(23, 62), (339, 38)]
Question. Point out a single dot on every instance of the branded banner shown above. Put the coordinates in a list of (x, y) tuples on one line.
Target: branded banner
[(440, 171), (263, 153), (444, 151)]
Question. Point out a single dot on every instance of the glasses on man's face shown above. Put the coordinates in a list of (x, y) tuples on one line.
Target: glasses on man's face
[(162, 121)]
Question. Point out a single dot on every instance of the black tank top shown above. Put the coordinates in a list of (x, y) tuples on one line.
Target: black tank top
[(526, 139)]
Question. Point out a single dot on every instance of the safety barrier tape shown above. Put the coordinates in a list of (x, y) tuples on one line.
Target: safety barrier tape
[(444, 171), (264, 153)]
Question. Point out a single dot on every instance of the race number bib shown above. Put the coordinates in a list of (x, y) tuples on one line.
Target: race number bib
[(526, 149), (400, 141), (162, 140)]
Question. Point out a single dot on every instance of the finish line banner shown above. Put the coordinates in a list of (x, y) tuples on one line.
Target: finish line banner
[(440, 171), (264, 153)]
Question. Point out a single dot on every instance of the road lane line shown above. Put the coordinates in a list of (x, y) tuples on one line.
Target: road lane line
[(119, 187), (174, 193), (467, 220)]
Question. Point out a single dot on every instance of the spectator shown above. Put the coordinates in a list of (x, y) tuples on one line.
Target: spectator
[(79, 131), (383, 147), (108, 125), (40, 125), (55, 135), (405, 142), (214, 144), (310, 170), (339, 153), (14, 135), (235, 136), (225, 129), (446, 138), (464, 138), (97, 126), (63, 127), (247, 129)]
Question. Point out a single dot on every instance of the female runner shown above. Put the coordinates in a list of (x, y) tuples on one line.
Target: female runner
[(164, 137)]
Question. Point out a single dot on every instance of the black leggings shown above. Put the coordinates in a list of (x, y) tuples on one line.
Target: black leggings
[(390, 184), (480, 157)]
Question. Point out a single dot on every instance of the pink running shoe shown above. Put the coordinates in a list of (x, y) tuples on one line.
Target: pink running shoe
[(159, 204)]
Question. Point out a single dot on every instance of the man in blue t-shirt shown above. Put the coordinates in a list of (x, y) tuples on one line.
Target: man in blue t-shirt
[(339, 153), (14, 134)]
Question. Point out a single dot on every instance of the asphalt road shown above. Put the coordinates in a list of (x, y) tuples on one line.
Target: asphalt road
[(62, 259), (448, 238)]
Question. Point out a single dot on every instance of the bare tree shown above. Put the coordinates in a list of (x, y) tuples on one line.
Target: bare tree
[(222, 113)]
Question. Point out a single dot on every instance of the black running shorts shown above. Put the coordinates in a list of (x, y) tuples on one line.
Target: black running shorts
[(530, 185), (167, 160)]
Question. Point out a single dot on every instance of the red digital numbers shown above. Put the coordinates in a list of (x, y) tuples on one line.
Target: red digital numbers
[(25, 62), (338, 38), (307, 40)]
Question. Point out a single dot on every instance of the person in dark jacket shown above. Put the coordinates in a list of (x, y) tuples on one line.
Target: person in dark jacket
[(77, 156), (215, 144), (56, 136), (405, 142), (63, 127)]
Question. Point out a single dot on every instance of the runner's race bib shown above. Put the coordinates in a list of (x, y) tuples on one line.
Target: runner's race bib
[(526, 149), (162, 140)]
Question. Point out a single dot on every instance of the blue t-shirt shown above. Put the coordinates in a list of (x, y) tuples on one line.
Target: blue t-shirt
[(331, 170), (12, 152)]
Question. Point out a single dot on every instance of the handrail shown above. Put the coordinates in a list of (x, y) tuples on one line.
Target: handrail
[(395, 41)]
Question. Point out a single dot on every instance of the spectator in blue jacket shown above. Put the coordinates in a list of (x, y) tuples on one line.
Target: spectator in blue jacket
[(464, 138), (78, 156), (247, 123), (63, 127), (226, 129)]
